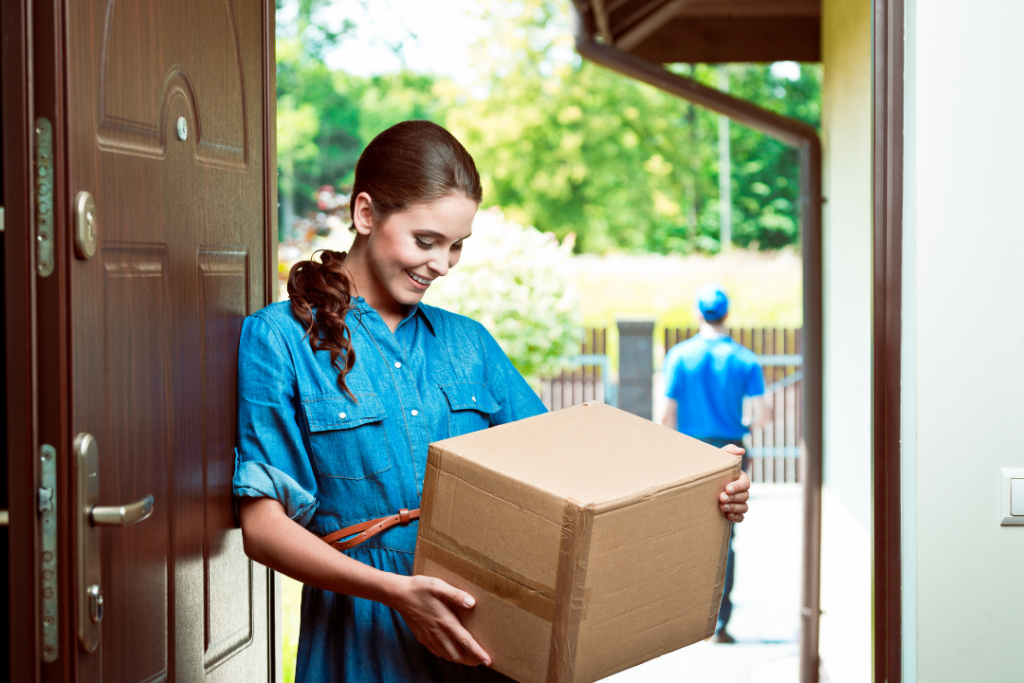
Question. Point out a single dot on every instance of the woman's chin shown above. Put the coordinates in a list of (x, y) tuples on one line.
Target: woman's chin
[(409, 297)]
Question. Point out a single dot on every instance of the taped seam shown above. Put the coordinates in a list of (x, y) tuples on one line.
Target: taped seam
[(570, 587)]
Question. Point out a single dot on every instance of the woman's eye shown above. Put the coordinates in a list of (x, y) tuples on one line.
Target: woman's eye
[(423, 244), (457, 246)]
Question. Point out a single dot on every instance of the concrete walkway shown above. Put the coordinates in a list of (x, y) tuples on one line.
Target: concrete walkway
[(766, 599)]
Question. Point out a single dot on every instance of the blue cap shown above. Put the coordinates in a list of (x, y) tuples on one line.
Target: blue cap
[(712, 302)]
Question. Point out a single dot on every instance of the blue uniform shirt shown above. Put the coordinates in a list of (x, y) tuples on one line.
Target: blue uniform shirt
[(708, 378), (333, 462)]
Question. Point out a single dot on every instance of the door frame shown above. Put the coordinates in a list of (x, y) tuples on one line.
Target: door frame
[(887, 188), (38, 356), (22, 86)]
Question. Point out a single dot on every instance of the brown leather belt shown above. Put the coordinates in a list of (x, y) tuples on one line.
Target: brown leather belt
[(368, 529)]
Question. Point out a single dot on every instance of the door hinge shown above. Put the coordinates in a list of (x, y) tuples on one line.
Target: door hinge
[(44, 197), (48, 512)]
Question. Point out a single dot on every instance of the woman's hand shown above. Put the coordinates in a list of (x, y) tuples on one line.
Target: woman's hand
[(733, 500), (427, 605)]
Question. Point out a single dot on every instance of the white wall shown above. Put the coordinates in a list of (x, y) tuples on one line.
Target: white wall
[(845, 644), (964, 242)]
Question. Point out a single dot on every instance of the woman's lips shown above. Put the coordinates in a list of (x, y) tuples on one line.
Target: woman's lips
[(416, 283)]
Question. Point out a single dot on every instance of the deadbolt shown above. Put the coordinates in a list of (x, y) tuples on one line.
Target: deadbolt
[(90, 518), (95, 603), (85, 225)]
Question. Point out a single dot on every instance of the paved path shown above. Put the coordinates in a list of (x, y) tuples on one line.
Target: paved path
[(766, 598)]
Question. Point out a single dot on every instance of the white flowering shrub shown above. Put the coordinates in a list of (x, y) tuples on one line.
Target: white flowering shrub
[(515, 280)]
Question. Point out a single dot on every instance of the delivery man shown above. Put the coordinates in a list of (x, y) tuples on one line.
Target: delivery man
[(706, 380)]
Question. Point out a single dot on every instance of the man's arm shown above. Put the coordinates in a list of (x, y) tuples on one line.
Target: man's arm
[(669, 414), (758, 413)]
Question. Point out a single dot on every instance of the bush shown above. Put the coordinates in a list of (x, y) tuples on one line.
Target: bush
[(515, 280)]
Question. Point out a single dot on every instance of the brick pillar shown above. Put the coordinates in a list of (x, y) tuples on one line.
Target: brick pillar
[(636, 366)]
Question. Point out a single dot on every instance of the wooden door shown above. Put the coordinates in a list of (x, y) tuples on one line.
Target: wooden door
[(168, 128)]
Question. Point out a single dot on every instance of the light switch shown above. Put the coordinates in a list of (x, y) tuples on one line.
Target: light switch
[(1017, 497), (1011, 496)]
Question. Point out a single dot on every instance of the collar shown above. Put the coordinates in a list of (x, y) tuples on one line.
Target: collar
[(428, 313), (431, 315)]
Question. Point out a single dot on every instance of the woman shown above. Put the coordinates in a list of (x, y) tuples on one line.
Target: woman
[(339, 392)]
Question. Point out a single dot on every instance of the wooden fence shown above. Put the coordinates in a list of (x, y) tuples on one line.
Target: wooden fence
[(774, 449), (582, 383)]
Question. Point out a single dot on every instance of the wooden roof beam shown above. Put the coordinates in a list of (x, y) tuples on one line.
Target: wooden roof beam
[(642, 29)]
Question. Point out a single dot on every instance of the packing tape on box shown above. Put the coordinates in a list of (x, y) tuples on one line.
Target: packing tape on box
[(506, 583), (570, 582)]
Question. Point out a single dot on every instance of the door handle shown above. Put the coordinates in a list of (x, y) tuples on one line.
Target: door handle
[(122, 515), (90, 517)]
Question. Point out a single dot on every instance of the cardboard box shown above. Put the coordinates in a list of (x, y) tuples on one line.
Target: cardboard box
[(590, 538)]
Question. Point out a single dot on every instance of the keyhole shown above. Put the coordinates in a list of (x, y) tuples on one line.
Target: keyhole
[(88, 221)]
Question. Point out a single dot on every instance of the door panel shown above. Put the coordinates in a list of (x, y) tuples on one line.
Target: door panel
[(133, 104), (156, 316), (228, 598), (134, 456)]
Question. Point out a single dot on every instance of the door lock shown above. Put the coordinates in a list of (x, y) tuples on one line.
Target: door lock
[(90, 518), (95, 603), (85, 225)]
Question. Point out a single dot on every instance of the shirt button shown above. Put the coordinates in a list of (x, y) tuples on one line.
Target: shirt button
[(397, 364), (474, 398), (415, 413), (341, 415)]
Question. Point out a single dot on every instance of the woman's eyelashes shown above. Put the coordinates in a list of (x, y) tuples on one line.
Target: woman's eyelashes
[(427, 245)]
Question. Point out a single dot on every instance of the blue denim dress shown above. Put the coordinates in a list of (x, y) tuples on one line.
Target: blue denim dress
[(333, 462)]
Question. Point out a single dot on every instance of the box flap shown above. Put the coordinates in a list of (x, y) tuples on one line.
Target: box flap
[(592, 453)]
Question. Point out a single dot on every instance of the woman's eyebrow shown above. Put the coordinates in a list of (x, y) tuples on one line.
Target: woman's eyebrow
[(440, 235)]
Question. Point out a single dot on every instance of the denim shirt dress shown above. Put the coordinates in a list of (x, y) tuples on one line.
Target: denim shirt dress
[(333, 462)]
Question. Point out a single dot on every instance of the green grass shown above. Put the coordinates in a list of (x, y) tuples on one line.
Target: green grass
[(291, 607)]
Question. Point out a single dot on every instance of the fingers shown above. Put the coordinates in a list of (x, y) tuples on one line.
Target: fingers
[(740, 485), (453, 596), (470, 651), (733, 500), (741, 497), (457, 644), (733, 450)]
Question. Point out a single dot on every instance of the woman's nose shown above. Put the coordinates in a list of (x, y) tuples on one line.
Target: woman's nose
[(439, 265)]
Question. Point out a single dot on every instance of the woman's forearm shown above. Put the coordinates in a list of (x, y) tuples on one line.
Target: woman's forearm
[(274, 540)]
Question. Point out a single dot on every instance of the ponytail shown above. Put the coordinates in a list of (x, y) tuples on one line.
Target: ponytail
[(324, 287)]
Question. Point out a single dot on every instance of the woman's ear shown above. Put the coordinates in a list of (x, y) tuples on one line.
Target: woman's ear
[(362, 214)]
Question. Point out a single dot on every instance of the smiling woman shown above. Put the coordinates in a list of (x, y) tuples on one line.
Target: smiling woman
[(416, 192), (334, 446)]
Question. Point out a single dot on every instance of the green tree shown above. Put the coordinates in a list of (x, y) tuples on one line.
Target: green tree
[(326, 117), (571, 147)]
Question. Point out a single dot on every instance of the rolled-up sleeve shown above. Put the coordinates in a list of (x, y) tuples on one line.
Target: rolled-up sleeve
[(271, 460), (517, 399)]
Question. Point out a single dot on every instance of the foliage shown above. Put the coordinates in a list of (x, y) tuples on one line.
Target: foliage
[(514, 280), (325, 118), (561, 144), (572, 147)]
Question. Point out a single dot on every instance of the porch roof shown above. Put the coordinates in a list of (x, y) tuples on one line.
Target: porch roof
[(708, 31)]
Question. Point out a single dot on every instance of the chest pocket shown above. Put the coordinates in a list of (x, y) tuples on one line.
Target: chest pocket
[(471, 406), (348, 438)]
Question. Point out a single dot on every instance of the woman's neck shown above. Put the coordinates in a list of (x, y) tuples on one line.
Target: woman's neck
[(372, 290)]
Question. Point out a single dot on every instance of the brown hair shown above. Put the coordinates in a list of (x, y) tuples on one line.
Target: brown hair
[(413, 162)]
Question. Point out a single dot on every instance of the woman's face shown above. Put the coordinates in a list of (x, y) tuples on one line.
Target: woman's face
[(412, 248)]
